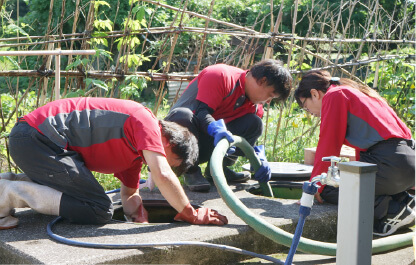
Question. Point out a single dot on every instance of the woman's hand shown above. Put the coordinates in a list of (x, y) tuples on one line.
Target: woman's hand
[(318, 197)]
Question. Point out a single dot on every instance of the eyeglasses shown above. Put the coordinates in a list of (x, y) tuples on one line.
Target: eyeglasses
[(304, 107)]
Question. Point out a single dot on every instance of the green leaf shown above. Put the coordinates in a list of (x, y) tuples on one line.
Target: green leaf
[(133, 1), (97, 4), (10, 59), (14, 29), (74, 64), (98, 83), (72, 94), (101, 52), (305, 66), (142, 12), (135, 9), (103, 24)]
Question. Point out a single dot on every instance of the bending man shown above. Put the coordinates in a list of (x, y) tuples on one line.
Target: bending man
[(59, 144)]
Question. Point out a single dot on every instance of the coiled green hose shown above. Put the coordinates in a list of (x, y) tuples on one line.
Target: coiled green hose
[(270, 231)]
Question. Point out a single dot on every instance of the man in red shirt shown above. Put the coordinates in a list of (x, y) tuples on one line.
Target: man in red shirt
[(58, 145), (230, 100)]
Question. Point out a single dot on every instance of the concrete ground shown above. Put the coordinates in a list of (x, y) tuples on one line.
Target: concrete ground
[(30, 244)]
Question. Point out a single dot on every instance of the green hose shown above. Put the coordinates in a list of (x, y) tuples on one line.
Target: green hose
[(270, 231)]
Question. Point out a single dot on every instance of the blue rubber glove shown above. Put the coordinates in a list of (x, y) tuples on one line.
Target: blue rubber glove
[(264, 173), (218, 130), (230, 151)]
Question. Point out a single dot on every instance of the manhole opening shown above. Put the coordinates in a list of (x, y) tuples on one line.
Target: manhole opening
[(281, 189), (159, 211)]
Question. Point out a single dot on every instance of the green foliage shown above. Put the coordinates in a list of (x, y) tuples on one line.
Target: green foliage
[(78, 62), (129, 53), (12, 62), (296, 132), (397, 86), (132, 87)]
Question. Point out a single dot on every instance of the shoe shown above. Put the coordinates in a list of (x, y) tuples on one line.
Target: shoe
[(230, 176), (8, 222), (195, 181), (392, 222), (229, 160)]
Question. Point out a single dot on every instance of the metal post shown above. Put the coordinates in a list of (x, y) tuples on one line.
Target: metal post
[(57, 75), (355, 213)]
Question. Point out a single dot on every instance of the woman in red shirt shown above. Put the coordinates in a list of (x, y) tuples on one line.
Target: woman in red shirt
[(357, 116)]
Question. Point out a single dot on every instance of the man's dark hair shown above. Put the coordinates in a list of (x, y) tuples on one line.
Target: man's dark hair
[(183, 144), (276, 75)]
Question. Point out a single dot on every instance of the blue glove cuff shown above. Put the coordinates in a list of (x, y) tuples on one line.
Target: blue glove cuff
[(260, 152), (216, 126)]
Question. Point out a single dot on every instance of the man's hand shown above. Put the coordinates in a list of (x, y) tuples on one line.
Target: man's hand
[(218, 130), (264, 173), (133, 205), (141, 215), (201, 216)]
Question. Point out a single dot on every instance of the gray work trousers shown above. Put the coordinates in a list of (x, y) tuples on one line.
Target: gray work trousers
[(395, 160), (84, 199)]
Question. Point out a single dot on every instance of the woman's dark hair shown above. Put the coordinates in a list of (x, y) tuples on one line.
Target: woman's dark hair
[(321, 80), (275, 74), (183, 144)]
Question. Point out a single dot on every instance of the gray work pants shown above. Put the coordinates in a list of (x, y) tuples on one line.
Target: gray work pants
[(84, 199)]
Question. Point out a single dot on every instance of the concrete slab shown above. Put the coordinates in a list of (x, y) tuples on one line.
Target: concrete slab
[(30, 244), (404, 256)]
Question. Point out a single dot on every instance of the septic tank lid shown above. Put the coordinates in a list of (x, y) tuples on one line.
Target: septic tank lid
[(288, 171)]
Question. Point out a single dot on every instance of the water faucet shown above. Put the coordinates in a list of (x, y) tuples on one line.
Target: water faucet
[(332, 177)]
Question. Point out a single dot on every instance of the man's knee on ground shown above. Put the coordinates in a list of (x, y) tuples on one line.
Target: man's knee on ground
[(81, 212)]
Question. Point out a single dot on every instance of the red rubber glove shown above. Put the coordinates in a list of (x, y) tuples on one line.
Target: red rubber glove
[(201, 216)]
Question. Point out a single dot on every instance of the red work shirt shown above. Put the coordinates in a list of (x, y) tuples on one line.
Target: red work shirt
[(222, 88), (109, 134), (350, 117)]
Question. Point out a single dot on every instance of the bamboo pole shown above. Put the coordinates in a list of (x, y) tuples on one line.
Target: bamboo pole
[(201, 51), (351, 9), (57, 53), (333, 33), (46, 65), (294, 22), (47, 52), (169, 30), (71, 46), (201, 16), (178, 77), (360, 49)]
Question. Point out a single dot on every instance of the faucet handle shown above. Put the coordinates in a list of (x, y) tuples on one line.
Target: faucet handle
[(332, 159)]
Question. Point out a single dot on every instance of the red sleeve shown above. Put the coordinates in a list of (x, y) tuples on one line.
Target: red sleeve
[(334, 113), (143, 130)]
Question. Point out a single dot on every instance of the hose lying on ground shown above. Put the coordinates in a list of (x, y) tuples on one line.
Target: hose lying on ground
[(71, 242)]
